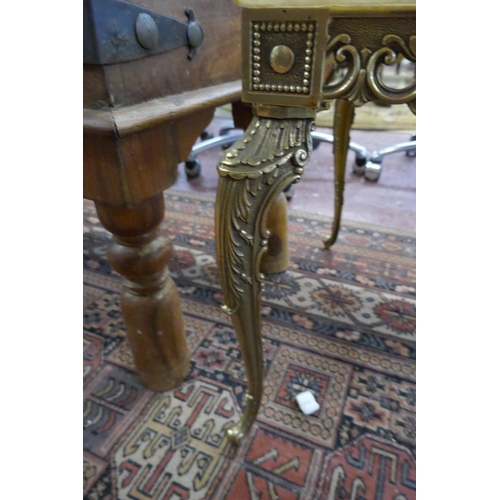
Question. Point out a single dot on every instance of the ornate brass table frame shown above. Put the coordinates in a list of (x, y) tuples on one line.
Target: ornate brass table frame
[(287, 53)]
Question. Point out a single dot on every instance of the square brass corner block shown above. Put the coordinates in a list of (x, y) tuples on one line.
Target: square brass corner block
[(283, 56)]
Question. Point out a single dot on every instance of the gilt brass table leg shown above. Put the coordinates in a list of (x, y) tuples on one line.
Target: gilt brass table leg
[(343, 118), (269, 157)]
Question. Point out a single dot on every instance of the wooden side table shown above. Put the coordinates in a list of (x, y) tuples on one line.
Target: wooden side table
[(296, 56), (153, 75)]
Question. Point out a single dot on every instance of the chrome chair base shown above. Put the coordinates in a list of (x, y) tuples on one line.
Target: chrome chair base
[(369, 165)]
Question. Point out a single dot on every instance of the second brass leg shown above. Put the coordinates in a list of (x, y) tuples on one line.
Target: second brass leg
[(343, 118)]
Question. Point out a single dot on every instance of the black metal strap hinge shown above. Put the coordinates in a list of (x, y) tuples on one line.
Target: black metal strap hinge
[(115, 31)]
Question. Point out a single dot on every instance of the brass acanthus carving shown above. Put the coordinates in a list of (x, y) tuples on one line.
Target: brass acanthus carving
[(267, 143), (255, 160), (362, 82)]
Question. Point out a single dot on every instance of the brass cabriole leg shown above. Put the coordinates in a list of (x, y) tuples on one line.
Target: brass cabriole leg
[(150, 300), (269, 157), (343, 118)]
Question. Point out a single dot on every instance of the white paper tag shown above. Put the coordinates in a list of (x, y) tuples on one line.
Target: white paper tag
[(307, 402)]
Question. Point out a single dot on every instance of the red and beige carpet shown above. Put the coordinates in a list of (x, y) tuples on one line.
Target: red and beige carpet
[(339, 323)]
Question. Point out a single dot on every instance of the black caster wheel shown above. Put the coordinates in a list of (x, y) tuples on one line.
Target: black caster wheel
[(192, 167), (205, 135), (289, 192), (359, 166), (372, 171), (413, 152)]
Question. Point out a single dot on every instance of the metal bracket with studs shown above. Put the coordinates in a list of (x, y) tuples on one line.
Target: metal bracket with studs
[(115, 31)]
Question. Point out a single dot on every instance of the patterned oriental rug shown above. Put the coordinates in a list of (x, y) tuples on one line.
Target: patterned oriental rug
[(339, 323)]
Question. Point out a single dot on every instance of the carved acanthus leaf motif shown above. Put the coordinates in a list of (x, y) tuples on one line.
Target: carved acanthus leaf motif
[(265, 146), (286, 145)]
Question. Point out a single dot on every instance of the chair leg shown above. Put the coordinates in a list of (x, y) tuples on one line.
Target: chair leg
[(342, 122), (277, 259), (270, 156)]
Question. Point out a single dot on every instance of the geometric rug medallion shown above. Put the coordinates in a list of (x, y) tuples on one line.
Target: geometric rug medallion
[(339, 323)]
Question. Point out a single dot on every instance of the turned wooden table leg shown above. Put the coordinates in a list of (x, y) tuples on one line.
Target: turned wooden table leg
[(251, 179), (150, 300), (343, 118), (277, 258)]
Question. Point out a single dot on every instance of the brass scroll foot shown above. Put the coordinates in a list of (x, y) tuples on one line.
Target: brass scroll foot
[(343, 118), (237, 431), (269, 157)]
